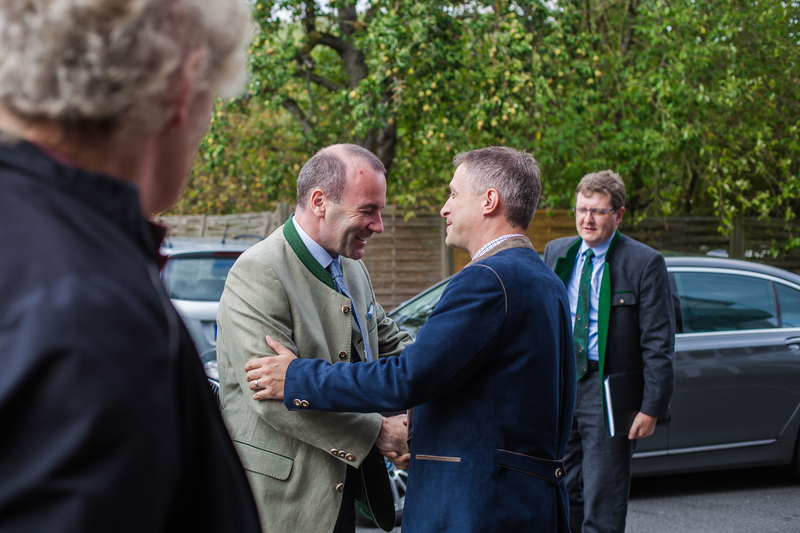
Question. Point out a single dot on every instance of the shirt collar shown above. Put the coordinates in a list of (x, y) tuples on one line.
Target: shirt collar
[(486, 248), (599, 251), (319, 253)]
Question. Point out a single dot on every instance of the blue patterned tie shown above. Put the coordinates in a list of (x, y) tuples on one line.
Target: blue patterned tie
[(335, 269), (580, 334)]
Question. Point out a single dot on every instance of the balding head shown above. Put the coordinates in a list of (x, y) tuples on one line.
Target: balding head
[(327, 170)]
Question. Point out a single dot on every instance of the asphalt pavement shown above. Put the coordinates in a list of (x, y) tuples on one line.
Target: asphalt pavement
[(753, 500), (745, 500)]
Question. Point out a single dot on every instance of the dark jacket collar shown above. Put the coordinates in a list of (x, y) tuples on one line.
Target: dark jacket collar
[(114, 199), (511, 242)]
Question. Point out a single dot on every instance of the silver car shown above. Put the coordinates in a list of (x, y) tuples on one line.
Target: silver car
[(194, 276), (737, 367)]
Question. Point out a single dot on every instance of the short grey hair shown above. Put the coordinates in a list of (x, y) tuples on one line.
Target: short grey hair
[(113, 64), (327, 170), (514, 174), (607, 182)]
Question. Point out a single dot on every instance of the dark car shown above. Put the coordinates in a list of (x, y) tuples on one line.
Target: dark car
[(737, 367)]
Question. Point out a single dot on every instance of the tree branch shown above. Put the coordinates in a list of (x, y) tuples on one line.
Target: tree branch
[(332, 41), (348, 19), (627, 35), (323, 82), (291, 106)]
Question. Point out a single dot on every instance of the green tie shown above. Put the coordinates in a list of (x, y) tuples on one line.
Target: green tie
[(581, 332)]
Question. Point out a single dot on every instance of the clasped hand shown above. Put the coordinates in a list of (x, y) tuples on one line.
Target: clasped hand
[(267, 376)]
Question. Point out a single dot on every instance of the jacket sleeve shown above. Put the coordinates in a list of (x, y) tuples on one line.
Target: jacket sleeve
[(657, 336), (459, 336), (254, 305), (546, 255)]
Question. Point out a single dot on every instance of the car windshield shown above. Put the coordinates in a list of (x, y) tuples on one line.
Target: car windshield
[(198, 277), (414, 313)]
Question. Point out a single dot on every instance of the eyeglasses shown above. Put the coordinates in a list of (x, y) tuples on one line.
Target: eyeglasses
[(582, 211)]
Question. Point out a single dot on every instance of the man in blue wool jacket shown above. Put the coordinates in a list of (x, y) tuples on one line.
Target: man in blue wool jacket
[(491, 374)]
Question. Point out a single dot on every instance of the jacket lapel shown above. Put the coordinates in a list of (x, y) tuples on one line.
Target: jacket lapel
[(566, 262), (299, 248), (604, 305)]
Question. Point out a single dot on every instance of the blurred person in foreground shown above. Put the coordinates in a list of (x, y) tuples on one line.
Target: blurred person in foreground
[(310, 470), (491, 374), (108, 422), (623, 320)]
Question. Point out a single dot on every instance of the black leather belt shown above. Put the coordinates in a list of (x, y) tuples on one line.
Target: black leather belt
[(593, 366)]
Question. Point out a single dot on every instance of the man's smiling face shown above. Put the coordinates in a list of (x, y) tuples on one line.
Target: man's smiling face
[(463, 211), (357, 215)]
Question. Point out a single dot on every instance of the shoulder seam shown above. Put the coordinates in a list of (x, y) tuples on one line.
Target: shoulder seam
[(505, 293)]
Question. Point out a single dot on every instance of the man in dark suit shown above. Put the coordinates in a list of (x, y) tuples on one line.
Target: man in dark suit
[(107, 419), (492, 372), (621, 308)]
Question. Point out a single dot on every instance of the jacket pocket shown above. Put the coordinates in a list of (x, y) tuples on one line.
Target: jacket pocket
[(372, 321), (264, 462), (440, 458), (623, 298), (548, 469)]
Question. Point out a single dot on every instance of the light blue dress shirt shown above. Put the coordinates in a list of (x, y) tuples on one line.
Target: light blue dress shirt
[(319, 253), (322, 256), (598, 264)]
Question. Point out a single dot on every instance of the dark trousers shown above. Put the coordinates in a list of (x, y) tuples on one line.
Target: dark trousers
[(346, 522), (598, 466)]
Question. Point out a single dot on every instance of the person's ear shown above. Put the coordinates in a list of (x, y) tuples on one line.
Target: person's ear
[(187, 85), (491, 201), (318, 202)]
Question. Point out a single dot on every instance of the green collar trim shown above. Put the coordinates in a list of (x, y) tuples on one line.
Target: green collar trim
[(604, 304), (308, 260), (566, 262), (614, 242)]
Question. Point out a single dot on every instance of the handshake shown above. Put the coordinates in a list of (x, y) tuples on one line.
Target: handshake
[(392, 440)]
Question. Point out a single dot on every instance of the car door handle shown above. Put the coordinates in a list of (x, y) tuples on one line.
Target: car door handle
[(793, 343)]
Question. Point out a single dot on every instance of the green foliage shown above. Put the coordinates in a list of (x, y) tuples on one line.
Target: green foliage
[(696, 104)]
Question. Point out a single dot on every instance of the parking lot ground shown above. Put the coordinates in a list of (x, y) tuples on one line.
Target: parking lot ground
[(753, 500), (743, 500)]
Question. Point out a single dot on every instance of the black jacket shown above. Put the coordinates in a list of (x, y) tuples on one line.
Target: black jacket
[(106, 419)]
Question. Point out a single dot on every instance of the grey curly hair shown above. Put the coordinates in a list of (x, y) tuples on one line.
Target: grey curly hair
[(113, 64)]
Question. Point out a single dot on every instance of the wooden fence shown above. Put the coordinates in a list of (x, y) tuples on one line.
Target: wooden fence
[(410, 255), (218, 226)]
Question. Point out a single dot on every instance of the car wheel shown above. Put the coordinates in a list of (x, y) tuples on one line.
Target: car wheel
[(795, 467), (397, 481)]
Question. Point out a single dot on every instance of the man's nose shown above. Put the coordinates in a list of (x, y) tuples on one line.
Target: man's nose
[(444, 211), (377, 223)]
